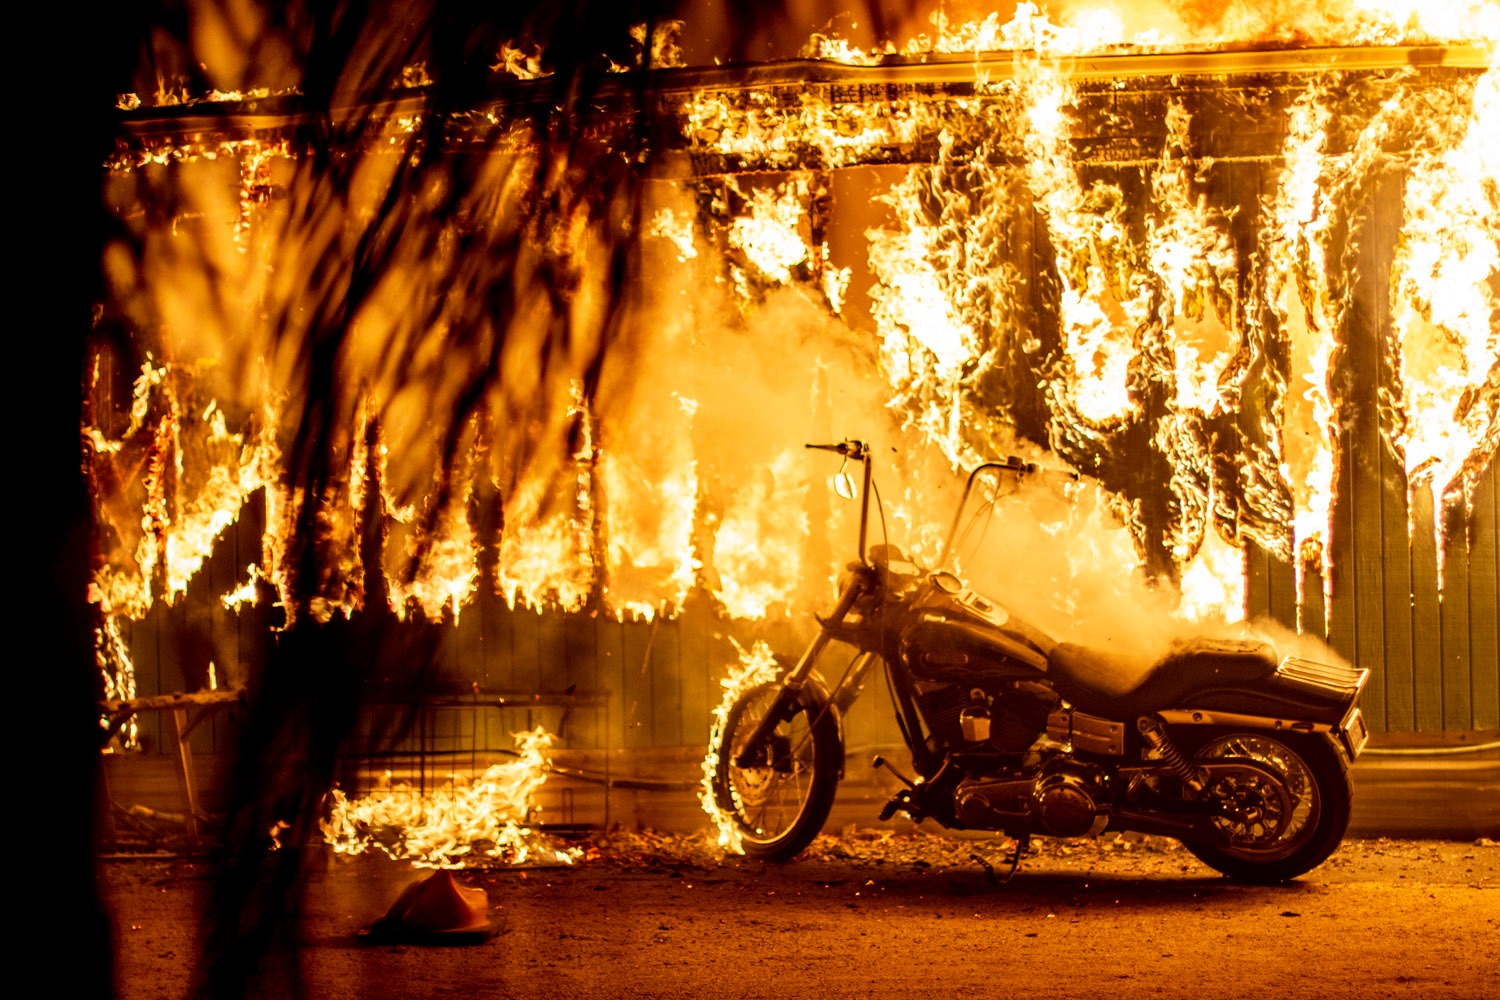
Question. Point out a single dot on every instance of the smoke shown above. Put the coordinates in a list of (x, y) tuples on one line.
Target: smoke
[(704, 411), (1056, 553), (735, 386)]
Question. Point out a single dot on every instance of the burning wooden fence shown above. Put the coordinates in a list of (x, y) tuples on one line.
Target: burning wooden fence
[(1253, 389)]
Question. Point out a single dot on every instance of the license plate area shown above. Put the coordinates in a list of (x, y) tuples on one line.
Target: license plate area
[(1353, 732)]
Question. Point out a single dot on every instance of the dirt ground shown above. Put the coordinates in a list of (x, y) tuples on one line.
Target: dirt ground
[(876, 914)]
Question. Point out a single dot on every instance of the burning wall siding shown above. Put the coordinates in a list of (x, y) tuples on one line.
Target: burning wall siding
[(1125, 273), (1255, 235)]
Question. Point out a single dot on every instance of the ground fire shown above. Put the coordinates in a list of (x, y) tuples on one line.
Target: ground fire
[(1144, 252)]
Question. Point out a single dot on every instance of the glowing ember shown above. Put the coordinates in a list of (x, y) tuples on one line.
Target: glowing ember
[(677, 229), (113, 658), (768, 234), (524, 62), (661, 50)]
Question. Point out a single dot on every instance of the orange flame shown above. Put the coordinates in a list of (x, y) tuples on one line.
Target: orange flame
[(1444, 305), (756, 666), (467, 818), (944, 303)]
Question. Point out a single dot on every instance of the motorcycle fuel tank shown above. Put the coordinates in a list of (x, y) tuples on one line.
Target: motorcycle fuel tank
[(941, 648), (945, 595)]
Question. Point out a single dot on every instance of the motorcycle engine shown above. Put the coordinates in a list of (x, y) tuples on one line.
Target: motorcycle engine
[(1066, 797), (1063, 798)]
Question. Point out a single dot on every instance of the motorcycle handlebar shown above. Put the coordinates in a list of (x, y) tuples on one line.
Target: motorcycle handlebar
[(1010, 464), (1013, 464), (850, 449), (856, 451)]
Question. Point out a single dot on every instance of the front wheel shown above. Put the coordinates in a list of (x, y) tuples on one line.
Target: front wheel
[(1272, 831), (779, 803)]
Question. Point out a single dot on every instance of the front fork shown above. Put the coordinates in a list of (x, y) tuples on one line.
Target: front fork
[(785, 704)]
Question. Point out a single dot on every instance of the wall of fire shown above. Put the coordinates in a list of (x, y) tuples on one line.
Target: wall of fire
[(1392, 583)]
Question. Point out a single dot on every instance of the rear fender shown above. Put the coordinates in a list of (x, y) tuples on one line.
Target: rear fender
[(1350, 732), (1302, 696)]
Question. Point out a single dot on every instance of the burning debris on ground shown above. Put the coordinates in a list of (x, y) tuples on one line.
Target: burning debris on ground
[(654, 852)]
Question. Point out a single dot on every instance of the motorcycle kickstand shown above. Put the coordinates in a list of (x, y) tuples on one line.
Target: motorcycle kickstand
[(1012, 863)]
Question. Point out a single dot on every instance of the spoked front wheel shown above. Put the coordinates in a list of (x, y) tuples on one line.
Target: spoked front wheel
[(1280, 818), (779, 802)]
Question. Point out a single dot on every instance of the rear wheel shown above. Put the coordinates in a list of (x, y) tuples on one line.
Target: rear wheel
[(779, 803), (1270, 829)]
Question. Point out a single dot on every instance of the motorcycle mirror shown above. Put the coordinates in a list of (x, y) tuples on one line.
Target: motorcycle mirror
[(843, 485)]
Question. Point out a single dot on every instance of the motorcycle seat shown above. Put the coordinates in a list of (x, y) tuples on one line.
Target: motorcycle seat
[(1113, 686)]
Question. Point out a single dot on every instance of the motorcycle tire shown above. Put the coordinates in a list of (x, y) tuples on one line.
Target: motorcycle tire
[(1263, 843), (779, 806)]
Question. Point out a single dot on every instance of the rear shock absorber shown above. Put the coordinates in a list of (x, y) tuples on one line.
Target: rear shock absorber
[(1155, 735)]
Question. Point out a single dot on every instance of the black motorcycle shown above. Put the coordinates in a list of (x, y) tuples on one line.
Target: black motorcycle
[(1239, 753)]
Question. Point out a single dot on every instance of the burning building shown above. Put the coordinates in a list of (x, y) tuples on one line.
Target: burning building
[(533, 387)]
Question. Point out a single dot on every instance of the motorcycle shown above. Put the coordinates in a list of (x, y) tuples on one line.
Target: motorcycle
[(1240, 754)]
